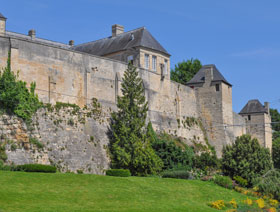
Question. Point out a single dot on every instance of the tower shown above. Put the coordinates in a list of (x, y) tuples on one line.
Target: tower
[(2, 25), (214, 102), (258, 121)]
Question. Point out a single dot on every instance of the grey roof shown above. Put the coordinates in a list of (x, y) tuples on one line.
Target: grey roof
[(135, 38), (39, 40), (253, 106), (200, 75), (2, 16)]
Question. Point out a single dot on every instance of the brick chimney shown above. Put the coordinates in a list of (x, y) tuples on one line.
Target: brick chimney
[(32, 34), (2, 25), (117, 29)]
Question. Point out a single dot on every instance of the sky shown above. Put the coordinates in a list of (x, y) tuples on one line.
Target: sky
[(241, 37)]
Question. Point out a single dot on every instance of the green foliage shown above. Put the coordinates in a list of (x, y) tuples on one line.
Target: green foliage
[(185, 71), (172, 152), (276, 152), (15, 98), (129, 146), (269, 183), (207, 161), (178, 174), (240, 181), (36, 142), (223, 181), (118, 172), (36, 168), (3, 155), (246, 158), (275, 117)]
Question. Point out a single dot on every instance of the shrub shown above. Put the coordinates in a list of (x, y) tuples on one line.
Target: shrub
[(36, 168), (207, 161), (15, 97), (179, 174), (118, 172), (241, 181), (173, 152), (223, 181), (246, 158), (269, 183)]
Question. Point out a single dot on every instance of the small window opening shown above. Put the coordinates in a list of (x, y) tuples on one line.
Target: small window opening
[(217, 87), (249, 117), (130, 59)]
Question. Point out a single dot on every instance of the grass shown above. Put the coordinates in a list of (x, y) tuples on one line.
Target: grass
[(42, 192)]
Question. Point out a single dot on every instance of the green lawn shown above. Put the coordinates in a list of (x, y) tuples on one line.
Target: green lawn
[(39, 192)]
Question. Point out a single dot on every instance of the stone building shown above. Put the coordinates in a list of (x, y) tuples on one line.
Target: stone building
[(77, 73)]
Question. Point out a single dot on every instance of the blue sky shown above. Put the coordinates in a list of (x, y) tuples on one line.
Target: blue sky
[(240, 37)]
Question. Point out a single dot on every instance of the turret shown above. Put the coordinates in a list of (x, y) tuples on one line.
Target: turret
[(2, 25)]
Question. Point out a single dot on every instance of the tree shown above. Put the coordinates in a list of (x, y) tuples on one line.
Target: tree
[(275, 117), (246, 158), (185, 71), (276, 152), (172, 151), (15, 97), (130, 147)]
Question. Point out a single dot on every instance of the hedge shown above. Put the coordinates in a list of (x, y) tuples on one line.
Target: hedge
[(36, 168), (118, 172)]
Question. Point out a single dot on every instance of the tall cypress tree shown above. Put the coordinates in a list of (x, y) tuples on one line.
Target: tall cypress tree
[(130, 148)]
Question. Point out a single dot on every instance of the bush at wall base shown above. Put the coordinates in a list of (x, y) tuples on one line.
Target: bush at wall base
[(118, 172), (178, 174), (36, 168)]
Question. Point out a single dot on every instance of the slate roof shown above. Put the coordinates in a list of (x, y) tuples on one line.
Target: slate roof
[(200, 76), (253, 106), (140, 37), (2, 16), (38, 40)]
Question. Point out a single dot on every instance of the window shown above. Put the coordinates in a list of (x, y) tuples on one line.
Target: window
[(147, 61), (249, 117), (217, 87), (165, 67), (154, 67)]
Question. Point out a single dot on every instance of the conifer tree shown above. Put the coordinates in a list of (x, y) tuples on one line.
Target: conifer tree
[(130, 148)]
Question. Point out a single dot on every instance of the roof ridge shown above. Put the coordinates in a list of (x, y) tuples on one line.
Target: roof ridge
[(130, 31)]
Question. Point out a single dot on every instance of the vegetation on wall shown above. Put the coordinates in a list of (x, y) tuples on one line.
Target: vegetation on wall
[(129, 146), (185, 71), (246, 158), (15, 97)]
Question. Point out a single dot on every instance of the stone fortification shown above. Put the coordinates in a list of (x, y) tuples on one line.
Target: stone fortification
[(200, 112)]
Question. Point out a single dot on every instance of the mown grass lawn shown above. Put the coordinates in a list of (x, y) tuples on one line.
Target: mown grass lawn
[(40, 192)]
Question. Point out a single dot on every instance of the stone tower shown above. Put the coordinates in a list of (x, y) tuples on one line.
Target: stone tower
[(2, 25), (258, 121), (214, 102)]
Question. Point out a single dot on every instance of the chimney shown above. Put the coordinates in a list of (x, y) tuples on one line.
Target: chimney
[(32, 34), (71, 43), (2, 25), (209, 74), (266, 106), (117, 29)]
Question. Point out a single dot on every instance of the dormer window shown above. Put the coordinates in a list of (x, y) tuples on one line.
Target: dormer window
[(147, 61), (154, 63)]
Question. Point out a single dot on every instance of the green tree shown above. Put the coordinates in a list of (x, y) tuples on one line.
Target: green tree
[(246, 158), (185, 71), (15, 97), (173, 152), (276, 152), (129, 144), (275, 117)]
